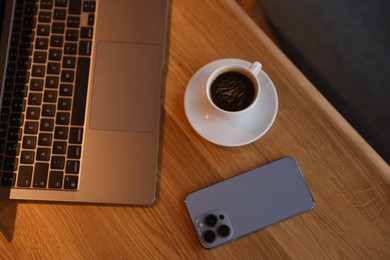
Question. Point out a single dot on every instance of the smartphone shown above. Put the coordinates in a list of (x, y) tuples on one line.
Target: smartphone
[(248, 202)]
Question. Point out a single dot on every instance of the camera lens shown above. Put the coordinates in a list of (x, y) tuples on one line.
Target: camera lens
[(223, 230), (209, 236), (211, 220)]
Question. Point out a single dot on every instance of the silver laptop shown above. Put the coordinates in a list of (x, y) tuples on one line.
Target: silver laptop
[(80, 99)]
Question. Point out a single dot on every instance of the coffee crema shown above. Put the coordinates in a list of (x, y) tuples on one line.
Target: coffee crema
[(232, 91)]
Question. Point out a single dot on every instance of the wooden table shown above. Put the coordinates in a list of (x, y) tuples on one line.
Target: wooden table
[(349, 181)]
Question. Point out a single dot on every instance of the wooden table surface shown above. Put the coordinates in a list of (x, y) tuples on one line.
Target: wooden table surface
[(349, 181)]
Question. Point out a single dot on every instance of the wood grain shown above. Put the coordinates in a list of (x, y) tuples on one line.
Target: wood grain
[(349, 181)]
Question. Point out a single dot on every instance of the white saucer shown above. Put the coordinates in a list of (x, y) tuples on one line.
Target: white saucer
[(220, 130)]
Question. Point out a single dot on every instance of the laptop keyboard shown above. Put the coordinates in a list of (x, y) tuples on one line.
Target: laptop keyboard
[(43, 106)]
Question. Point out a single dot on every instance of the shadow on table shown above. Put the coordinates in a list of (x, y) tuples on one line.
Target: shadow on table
[(7, 218)]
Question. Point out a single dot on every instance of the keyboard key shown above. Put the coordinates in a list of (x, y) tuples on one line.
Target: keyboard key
[(74, 6), (47, 124), (73, 21), (11, 68), (25, 49), (70, 48), (64, 103), (38, 70), (57, 162), (55, 179), (16, 119), (12, 149), (46, 4), (61, 133), (4, 115), (40, 175), (27, 36), (85, 48), (31, 127), (3, 130), (59, 147), (27, 157), (67, 76), (43, 154), (72, 166), (24, 176), (7, 99), (72, 35), (50, 96), (86, 32), (36, 84), (2, 148), (45, 139), (9, 83), (76, 135), (43, 30), (35, 98), (19, 11), (40, 57), (13, 53), (29, 142), (56, 40), (62, 118), (89, 6), (91, 19), (44, 17), (71, 182), (59, 14), (20, 90), (53, 68), (55, 54), (50, 111), (58, 27), (66, 90), (42, 43), (8, 179), (14, 134), (15, 40), (74, 152), (33, 112), (22, 76), (52, 82), (18, 105), (69, 62), (31, 9), (61, 3), (80, 91), (29, 22), (24, 63), (10, 164)]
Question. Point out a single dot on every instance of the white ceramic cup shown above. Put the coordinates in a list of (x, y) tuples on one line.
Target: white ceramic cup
[(251, 72)]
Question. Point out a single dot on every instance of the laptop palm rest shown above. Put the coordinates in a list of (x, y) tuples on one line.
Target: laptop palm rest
[(125, 86)]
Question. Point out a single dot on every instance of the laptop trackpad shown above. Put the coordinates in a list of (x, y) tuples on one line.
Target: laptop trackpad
[(125, 87)]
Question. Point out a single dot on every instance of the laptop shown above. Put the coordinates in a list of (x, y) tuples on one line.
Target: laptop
[(81, 85)]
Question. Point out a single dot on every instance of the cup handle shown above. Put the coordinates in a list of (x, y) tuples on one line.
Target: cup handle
[(255, 67)]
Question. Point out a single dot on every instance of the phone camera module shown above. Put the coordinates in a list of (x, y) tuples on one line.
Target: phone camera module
[(211, 220), (223, 230), (214, 228), (209, 236)]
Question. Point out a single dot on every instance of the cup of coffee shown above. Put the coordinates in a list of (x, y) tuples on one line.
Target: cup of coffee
[(234, 89)]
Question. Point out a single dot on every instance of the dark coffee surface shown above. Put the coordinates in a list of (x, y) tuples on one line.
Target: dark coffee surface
[(232, 91)]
